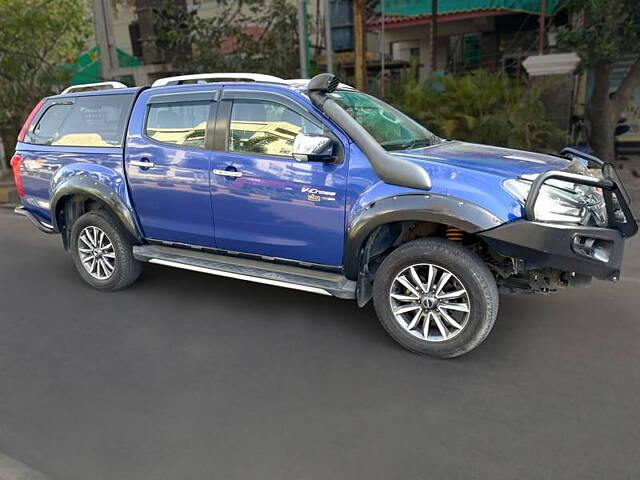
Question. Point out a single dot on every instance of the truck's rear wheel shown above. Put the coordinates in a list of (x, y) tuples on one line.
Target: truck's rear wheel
[(435, 297), (102, 252)]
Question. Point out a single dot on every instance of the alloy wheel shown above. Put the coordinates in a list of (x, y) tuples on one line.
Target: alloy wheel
[(97, 254), (429, 302)]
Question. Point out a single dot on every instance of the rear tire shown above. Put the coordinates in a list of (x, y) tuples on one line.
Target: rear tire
[(460, 315), (102, 252)]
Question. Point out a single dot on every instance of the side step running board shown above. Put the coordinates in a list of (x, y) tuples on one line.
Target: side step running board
[(297, 278)]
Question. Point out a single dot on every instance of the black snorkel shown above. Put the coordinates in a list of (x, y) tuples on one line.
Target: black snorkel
[(390, 169)]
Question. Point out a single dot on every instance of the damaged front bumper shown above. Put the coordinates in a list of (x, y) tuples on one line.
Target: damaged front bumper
[(587, 251)]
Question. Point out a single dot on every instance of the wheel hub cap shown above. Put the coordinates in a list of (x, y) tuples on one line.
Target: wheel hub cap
[(429, 301)]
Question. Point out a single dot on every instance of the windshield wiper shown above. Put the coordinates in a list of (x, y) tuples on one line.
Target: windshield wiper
[(416, 143), (425, 142), (397, 145)]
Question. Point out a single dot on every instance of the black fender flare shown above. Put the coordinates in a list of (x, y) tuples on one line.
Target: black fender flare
[(98, 191), (453, 211)]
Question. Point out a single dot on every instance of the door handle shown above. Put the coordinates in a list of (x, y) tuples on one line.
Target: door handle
[(144, 163), (228, 173)]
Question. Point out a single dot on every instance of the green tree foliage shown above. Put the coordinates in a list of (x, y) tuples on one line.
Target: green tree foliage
[(602, 32), (480, 107), (36, 38), (243, 36)]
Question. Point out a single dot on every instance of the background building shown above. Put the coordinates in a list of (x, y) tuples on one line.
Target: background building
[(400, 38)]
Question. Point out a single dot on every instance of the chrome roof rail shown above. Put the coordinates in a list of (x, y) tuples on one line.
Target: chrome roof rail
[(218, 77), (96, 86)]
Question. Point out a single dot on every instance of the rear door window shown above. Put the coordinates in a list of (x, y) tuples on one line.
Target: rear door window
[(181, 123), (94, 121)]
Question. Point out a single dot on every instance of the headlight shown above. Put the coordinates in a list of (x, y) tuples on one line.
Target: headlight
[(563, 202)]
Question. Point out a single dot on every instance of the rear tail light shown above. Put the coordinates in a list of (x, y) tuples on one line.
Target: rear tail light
[(16, 161), (27, 123)]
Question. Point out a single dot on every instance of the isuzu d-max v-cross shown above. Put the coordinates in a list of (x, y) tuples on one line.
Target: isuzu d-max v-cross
[(314, 186)]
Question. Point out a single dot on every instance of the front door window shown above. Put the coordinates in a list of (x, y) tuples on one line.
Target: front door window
[(265, 127)]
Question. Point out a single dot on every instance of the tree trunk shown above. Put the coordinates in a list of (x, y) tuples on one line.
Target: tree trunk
[(602, 139), (602, 114), (604, 109)]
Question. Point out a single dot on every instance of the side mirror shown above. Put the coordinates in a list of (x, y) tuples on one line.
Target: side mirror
[(313, 148)]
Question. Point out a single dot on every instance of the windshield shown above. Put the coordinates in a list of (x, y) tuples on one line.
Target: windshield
[(390, 127)]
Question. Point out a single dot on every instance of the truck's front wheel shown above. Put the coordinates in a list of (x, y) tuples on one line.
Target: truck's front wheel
[(435, 297), (102, 252)]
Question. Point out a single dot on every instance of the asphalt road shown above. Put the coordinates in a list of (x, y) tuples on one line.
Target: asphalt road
[(190, 376)]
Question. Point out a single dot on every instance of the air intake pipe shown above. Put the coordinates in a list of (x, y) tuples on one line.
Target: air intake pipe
[(390, 169)]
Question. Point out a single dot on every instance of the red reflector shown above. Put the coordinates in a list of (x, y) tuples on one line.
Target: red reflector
[(27, 123), (16, 161)]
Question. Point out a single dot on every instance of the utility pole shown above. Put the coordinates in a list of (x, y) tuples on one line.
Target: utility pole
[(360, 45), (542, 21), (303, 39), (434, 36), (104, 38), (328, 41)]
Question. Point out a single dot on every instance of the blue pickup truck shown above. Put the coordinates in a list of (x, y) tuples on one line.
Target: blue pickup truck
[(315, 186)]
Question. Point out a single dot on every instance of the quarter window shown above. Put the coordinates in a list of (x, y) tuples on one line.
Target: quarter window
[(259, 126), (94, 121), (182, 124), (49, 125)]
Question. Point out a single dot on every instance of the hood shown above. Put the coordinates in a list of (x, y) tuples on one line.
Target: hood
[(504, 162)]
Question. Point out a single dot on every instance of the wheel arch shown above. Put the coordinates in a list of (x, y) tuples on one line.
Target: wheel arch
[(394, 210), (80, 194)]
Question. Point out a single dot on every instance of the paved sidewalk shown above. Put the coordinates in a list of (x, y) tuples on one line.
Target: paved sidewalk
[(8, 193)]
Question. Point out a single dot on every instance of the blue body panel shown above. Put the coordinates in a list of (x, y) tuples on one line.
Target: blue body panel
[(171, 200), (45, 167), (278, 207), (475, 177)]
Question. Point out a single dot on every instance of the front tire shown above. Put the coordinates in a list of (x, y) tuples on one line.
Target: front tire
[(435, 297), (102, 252)]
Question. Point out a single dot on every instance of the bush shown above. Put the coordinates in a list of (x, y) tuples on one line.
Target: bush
[(481, 107)]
